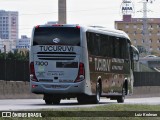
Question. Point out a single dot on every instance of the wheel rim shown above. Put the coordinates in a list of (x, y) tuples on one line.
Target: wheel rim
[(123, 92), (48, 102), (98, 92)]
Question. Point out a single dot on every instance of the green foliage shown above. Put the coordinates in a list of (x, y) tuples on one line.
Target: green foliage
[(22, 56)]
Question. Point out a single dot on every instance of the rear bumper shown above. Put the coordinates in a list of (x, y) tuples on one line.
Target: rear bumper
[(57, 88)]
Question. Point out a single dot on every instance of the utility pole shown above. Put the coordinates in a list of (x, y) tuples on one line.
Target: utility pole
[(5, 75), (62, 15), (145, 25), (5, 52)]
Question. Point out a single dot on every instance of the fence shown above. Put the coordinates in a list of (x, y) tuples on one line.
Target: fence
[(146, 79), (14, 70), (19, 71)]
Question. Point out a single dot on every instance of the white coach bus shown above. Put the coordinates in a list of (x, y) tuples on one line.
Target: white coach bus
[(72, 61)]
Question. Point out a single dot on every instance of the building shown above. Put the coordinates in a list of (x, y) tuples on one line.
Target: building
[(8, 25), (134, 28), (23, 43), (7, 45)]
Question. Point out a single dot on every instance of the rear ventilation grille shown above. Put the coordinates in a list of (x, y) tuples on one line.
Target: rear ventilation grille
[(56, 55)]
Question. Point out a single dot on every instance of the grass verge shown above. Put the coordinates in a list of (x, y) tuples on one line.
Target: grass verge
[(105, 112)]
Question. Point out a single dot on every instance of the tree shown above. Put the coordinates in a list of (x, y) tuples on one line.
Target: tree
[(22, 56)]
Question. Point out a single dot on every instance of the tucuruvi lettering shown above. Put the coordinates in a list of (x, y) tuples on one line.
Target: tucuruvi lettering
[(57, 48), (102, 64)]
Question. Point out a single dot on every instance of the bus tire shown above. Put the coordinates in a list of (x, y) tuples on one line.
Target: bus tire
[(121, 98), (81, 100), (96, 98), (48, 102), (48, 99), (56, 101)]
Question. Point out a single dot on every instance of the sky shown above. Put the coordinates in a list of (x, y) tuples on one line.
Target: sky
[(86, 12)]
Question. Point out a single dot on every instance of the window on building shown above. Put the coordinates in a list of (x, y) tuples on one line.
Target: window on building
[(127, 26), (142, 40), (142, 32), (158, 33), (151, 48), (150, 41), (135, 41), (150, 26), (134, 26), (142, 26)]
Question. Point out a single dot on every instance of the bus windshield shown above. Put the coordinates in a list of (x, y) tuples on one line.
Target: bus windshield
[(57, 36)]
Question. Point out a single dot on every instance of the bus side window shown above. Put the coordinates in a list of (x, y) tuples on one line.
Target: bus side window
[(128, 50), (93, 43), (110, 44), (124, 48), (90, 42), (104, 46), (117, 47), (97, 44)]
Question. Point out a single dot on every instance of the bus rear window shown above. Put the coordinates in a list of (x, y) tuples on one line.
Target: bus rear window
[(57, 36)]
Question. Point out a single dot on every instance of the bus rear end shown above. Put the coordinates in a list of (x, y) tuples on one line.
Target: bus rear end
[(56, 67)]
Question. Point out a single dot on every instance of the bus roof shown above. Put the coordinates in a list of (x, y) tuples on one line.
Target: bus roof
[(108, 31), (135, 49), (97, 29)]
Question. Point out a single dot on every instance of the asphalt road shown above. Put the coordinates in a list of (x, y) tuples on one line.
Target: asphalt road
[(33, 104)]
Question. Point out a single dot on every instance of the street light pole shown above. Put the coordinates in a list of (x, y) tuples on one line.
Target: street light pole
[(145, 25), (145, 28)]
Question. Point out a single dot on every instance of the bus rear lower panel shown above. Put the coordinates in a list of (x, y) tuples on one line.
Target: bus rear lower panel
[(70, 88)]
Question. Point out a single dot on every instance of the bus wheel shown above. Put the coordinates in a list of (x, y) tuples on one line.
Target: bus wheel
[(56, 100), (81, 100), (96, 98), (48, 102), (121, 98), (47, 99)]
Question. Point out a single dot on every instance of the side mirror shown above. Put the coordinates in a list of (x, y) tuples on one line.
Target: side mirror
[(135, 53), (135, 56)]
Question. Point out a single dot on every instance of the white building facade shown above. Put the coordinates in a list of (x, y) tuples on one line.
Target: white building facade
[(23, 43), (7, 45), (8, 25)]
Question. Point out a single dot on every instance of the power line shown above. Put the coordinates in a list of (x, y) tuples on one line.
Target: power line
[(67, 11)]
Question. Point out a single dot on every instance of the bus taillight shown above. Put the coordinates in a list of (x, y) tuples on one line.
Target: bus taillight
[(32, 72), (78, 26), (81, 73), (37, 26)]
